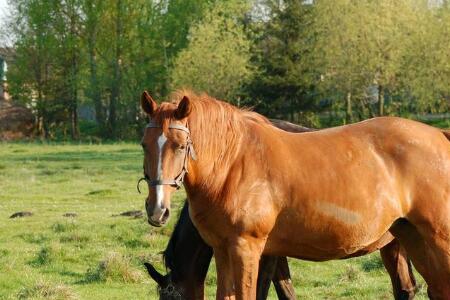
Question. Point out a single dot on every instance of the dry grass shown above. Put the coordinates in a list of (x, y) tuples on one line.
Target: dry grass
[(115, 267), (47, 290)]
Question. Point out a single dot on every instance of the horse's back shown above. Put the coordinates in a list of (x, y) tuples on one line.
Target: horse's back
[(356, 180), (417, 156)]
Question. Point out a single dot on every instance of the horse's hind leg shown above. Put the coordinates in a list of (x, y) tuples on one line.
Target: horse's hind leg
[(275, 269), (282, 280), (267, 266), (429, 249), (399, 268)]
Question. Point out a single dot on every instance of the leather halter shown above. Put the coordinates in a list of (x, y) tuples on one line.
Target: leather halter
[(177, 182)]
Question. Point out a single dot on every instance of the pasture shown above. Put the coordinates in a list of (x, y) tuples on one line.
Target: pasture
[(97, 256)]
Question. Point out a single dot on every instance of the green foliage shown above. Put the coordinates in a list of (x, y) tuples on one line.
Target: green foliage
[(319, 63), (283, 87), (94, 53), (358, 59), (217, 59)]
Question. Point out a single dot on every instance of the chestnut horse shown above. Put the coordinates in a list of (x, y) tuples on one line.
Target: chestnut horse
[(188, 257), (336, 193)]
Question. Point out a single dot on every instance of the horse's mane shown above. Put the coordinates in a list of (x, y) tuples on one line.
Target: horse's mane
[(216, 128), (216, 109)]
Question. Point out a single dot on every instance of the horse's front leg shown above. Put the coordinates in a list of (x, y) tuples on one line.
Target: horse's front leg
[(224, 269), (245, 254)]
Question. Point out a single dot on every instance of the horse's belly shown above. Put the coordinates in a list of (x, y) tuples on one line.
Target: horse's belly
[(305, 237)]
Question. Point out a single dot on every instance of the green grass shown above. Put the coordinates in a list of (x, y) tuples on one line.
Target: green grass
[(96, 256)]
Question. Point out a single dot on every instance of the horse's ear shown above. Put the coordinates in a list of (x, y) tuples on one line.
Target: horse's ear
[(148, 104), (159, 278), (184, 108)]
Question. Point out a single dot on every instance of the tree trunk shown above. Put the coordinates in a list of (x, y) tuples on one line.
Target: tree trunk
[(115, 89), (380, 100), (94, 89), (348, 109), (75, 130)]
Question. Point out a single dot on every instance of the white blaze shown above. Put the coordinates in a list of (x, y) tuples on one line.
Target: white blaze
[(159, 188)]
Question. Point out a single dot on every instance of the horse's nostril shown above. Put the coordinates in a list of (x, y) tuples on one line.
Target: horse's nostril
[(166, 214)]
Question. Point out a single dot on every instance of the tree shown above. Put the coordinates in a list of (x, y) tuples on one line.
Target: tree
[(217, 59), (425, 66), (283, 86), (33, 72), (362, 44)]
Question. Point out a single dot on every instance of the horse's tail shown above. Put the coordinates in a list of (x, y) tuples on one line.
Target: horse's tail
[(446, 133)]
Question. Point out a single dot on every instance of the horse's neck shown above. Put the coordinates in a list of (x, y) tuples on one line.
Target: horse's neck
[(208, 174), (209, 177)]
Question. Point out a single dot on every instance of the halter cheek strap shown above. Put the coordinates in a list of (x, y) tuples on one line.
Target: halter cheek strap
[(177, 182)]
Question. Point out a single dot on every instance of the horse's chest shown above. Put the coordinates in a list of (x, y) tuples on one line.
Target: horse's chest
[(221, 224)]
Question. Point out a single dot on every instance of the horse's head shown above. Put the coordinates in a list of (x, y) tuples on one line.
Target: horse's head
[(166, 288), (167, 149)]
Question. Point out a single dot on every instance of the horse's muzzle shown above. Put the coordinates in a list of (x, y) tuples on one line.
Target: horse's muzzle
[(159, 217)]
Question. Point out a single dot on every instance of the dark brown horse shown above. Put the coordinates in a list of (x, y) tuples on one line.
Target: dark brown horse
[(336, 193), (188, 257)]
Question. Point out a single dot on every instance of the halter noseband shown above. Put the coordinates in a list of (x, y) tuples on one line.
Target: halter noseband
[(177, 182)]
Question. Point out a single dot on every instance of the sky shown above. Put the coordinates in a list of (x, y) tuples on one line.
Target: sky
[(4, 11), (3, 8)]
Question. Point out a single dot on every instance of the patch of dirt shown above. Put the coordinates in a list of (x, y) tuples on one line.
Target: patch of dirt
[(21, 214), (130, 213), (70, 215)]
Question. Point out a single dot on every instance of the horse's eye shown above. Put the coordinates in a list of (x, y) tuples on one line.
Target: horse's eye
[(182, 147)]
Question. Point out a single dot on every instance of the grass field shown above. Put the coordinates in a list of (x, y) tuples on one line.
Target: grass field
[(97, 256)]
